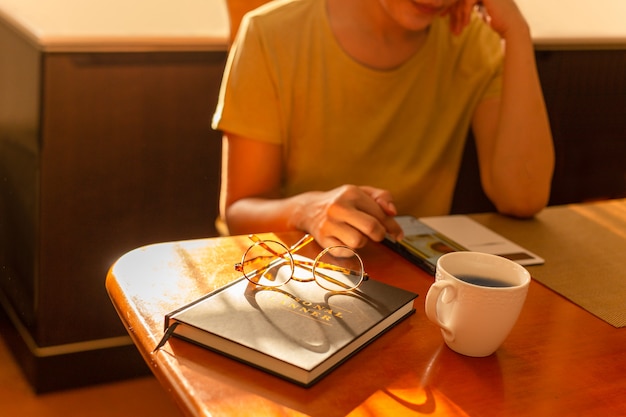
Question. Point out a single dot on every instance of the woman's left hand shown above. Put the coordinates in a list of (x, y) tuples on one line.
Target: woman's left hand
[(460, 13), (502, 15)]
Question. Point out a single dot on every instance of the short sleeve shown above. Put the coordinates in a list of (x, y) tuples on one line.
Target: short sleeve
[(492, 57), (248, 102)]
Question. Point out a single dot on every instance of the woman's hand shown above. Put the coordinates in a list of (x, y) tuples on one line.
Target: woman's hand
[(250, 200), (460, 13), (347, 215), (502, 15)]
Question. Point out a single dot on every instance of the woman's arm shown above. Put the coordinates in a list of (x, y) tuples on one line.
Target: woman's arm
[(251, 200), (513, 137)]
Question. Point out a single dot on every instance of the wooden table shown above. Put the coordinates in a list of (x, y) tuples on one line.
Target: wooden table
[(559, 359)]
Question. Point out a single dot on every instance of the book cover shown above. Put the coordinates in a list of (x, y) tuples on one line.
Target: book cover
[(298, 331)]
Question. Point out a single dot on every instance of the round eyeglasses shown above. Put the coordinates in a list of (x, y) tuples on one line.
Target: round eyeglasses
[(271, 264)]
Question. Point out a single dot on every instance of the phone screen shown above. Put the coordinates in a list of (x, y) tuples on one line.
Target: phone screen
[(422, 244), (426, 243)]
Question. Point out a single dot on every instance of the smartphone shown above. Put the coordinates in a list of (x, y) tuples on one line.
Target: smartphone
[(427, 238), (421, 244)]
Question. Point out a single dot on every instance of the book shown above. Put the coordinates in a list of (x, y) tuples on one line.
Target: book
[(427, 238), (298, 331)]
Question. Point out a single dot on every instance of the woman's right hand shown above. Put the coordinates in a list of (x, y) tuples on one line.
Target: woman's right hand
[(347, 215), (250, 201)]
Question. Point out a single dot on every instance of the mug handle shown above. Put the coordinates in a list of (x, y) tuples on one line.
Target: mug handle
[(433, 298)]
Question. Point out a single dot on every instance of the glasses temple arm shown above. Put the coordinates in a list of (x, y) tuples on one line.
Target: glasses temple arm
[(304, 240), (332, 267), (274, 262)]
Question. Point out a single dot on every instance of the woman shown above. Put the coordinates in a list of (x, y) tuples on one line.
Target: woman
[(339, 114)]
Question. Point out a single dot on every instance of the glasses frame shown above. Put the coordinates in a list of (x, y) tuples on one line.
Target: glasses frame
[(311, 266)]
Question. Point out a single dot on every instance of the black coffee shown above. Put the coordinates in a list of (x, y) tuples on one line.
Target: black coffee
[(482, 281)]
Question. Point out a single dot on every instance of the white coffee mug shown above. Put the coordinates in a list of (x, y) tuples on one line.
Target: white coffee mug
[(476, 299)]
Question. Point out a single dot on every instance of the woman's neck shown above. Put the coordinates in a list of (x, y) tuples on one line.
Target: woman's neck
[(367, 34)]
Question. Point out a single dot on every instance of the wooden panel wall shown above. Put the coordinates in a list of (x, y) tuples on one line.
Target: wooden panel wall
[(128, 158)]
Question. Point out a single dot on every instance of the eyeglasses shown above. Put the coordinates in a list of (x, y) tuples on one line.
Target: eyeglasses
[(271, 264)]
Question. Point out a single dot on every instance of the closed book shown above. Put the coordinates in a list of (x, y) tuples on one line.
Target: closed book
[(298, 331)]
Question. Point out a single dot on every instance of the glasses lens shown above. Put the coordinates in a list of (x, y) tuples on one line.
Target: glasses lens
[(338, 268), (268, 263)]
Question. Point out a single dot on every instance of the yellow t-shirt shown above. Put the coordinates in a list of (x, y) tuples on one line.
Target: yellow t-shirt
[(289, 82)]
